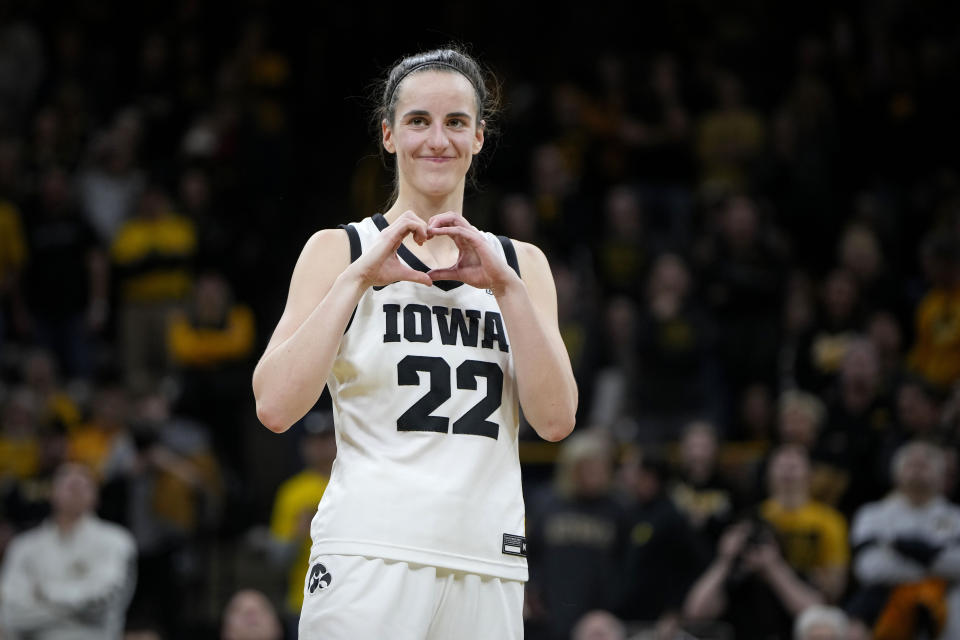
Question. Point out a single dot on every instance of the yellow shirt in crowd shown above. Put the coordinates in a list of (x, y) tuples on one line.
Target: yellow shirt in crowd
[(813, 536), (298, 495)]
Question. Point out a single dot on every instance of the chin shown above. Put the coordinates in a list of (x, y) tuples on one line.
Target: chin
[(438, 188)]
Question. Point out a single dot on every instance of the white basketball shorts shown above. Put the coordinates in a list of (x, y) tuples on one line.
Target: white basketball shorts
[(360, 598)]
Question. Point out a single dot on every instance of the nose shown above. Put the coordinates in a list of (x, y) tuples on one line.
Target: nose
[(438, 136)]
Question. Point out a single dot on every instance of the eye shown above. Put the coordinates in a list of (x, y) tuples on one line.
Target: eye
[(418, 121), (457, 123)]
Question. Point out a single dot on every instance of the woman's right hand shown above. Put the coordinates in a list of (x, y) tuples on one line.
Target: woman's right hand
[(380, 265)]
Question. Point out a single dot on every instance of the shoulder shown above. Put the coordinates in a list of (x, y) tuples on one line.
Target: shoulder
[(27, 540), (946, 508), (873, 510), (533, 263), (326, 240), (113, 534), (820, 512), (530, 254), (327, 248)]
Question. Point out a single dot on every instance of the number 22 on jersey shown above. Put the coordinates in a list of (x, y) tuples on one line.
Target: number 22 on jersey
[(474, 422)]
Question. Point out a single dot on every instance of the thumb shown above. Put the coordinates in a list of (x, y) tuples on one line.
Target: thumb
[(412, 275)]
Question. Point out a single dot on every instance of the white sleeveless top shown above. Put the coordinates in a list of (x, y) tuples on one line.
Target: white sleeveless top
[(426, 411)]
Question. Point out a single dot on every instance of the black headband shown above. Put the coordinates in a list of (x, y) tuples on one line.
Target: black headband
[(432, 63)]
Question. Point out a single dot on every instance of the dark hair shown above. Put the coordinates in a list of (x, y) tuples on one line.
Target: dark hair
[(452, 59)]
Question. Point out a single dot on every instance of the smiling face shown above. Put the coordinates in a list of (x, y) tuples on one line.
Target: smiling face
[(435, 133)]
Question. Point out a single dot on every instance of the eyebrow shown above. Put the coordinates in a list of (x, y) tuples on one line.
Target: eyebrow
[(422, 112)]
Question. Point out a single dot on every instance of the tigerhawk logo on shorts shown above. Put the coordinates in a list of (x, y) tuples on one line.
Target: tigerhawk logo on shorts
[(320, 578)]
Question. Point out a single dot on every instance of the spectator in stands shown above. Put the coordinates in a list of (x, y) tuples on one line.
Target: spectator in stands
[(19, 435), (935, 353), (622, 250), (249, 615), (730, 138), (111, 183), (675, 351), (886, 333), (216, 238), (861, 254), (858, 421), (613, 405), (699, 489), (742, 272), (153, 255), (839, 321), (664, 555), (576, 533), (797, 319), (771, 567), (800, 419), (917, 416), (582, 336), (210, 342), (66, 282), (73, 575), (174, 496), (31, 450), (295, 504), (561, 207), (907, 560), (56, 409), (104, 442), (813, 535)]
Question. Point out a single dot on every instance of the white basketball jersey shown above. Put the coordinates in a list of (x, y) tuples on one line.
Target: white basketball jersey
[(426, 411)]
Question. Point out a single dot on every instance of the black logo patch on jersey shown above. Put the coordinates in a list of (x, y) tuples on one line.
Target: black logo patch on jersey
[(320, 578), (514, 545)]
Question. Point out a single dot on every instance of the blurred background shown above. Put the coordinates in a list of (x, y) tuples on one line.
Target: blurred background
[(752, 211)]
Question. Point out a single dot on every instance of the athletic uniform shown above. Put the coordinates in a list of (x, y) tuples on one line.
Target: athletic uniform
[(427, 475)]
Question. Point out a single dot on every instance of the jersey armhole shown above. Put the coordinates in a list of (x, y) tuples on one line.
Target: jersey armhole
[(355, 251), (510, 253), (354, 237)]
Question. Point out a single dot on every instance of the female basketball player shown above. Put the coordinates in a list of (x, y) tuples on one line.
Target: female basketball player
[(427, 332)]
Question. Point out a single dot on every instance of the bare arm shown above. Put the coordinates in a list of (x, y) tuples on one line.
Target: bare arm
[(547, 388), (794, 593), (324, 291), (707, 598), (831, 581)]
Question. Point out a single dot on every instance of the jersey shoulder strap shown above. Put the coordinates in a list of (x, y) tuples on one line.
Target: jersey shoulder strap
[(355, 251), (510, 253), (354, 237)]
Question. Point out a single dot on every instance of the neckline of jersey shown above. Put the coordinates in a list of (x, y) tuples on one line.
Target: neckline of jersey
[(411, 259)]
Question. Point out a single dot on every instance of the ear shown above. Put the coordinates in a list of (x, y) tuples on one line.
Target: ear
[(387, 134), (478, 138)]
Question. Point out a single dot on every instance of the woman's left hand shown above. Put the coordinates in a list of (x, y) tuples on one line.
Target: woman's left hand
[(478, 264)]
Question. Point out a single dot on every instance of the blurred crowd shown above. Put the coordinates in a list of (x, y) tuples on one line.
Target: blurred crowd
[(753, 219)]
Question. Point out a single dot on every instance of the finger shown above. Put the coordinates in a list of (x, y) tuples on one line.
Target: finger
[(449, 273), (412, 275), (465, 237), (408, 225), (410, 215), (447, 219), (464, 233)]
